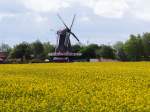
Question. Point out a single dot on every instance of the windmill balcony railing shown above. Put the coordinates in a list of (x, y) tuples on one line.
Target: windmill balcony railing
[(65, 54)]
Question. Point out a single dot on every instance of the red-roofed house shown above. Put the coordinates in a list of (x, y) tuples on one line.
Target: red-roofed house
[(3, 56)]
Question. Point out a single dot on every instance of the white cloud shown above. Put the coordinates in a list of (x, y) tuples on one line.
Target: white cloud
[(108, 8), (40, 19), (137, 9), (140, 9), (45, 5), (104, 8)]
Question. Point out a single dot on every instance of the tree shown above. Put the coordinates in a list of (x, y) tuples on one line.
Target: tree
[(48, 48), (134, 48), (38, 50), (89, 51), (107, 52), (146, 45), (5, 48), (22, 51), (76, 48), (120, 54)]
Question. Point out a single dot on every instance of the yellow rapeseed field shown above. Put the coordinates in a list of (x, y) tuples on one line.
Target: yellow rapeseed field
[(85, 87)]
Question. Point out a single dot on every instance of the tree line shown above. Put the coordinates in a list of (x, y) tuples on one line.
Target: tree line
[(136, 48)]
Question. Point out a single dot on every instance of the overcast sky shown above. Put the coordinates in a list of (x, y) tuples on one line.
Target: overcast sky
[(98, 21)]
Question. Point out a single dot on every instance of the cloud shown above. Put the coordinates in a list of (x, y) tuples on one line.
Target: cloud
[(40, 19), (104, 8), (108, 8), (138, 9), (45, 5)]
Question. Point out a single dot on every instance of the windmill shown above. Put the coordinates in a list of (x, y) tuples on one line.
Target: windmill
[(63, 45)]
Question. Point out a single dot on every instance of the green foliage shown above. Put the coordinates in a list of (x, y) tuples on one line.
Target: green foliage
[(134, 48), (38, 50), (120, 53), (48, 48), (118, 46), (5, 48), (76, 48), (22, 51), (146, 45), (107, 52), (89, 51)]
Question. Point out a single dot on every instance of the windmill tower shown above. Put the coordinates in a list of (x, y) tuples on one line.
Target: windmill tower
[(63, 46)]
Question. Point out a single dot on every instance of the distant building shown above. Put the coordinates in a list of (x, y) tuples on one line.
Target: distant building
[(94, 60), (108, 60), (3, 56), (103, 60)]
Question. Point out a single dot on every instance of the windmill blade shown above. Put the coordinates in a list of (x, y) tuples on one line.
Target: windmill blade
[(62, 21), (72, 22), (75, 36)]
